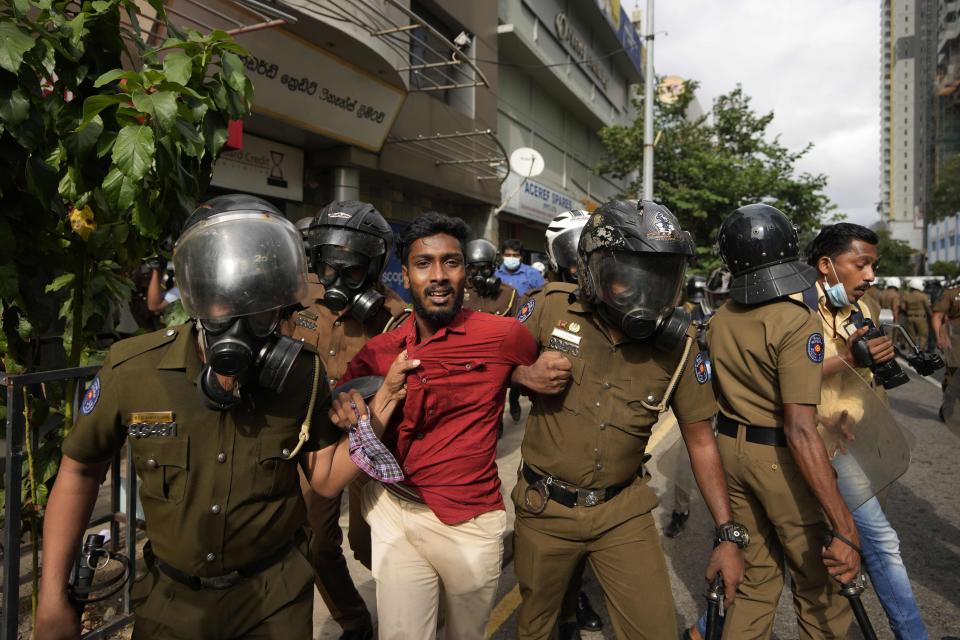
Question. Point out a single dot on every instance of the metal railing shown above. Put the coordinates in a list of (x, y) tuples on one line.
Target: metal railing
[(13, 478)]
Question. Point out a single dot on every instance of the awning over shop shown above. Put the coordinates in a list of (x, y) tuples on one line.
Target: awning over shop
[(476, 152)]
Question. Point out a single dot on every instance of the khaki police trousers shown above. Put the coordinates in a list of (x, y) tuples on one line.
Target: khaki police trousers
[(332, 576), (276, 604), (916, 327), (623, 549), (786, 524)]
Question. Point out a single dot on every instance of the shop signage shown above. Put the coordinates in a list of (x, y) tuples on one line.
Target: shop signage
[(536, 201), (297, 82), (262, 167), (578, 47)]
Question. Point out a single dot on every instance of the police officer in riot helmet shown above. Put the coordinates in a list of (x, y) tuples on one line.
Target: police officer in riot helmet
[(632, 269), (695, 288), (484, 289), (303, 226), (237, 302), (349, 243), (717, 290), (563, 236), (632, 354)]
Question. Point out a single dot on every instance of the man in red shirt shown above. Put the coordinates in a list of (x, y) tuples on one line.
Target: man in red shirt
[(444, 523)]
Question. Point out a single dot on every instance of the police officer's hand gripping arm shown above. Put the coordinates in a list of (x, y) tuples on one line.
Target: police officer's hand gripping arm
[(331, 469), (548, 375), (940, 330)]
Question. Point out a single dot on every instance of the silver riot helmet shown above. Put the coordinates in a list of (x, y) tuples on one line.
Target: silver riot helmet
[(631, 261), (482, 259), (717, 290), (239, 264), (562, 237), (349, 245)]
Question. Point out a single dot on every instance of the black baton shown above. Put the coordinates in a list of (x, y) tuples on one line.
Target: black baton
[(851, 591), (714, 608)]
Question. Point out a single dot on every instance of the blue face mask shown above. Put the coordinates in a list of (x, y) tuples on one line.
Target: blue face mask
[(512, 263), (837, 294)]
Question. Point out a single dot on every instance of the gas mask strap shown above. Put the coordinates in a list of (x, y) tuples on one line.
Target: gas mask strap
[(305, 425), (660, 408)]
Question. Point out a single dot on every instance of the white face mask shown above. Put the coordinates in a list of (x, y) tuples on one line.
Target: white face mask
[(512, 263)]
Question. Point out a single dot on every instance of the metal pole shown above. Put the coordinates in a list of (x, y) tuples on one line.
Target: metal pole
[(649, 80), (13, 482)]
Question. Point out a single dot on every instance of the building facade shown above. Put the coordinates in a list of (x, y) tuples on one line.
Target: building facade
[(393, 103), (908, 68), (943, 240), (567, 69)]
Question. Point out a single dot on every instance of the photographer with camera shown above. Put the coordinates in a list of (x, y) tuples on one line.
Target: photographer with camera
[(845, 257)]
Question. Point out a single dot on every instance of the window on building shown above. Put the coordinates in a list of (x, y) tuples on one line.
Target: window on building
[(427, 48), (953, 241), (943, 243)]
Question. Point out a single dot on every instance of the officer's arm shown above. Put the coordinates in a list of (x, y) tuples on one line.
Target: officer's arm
[(943, 338), (800, 427), (68, 511), (707, 468), (330, 469)]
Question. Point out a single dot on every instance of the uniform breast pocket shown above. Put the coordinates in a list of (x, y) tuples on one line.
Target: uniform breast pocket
[(573, 397), (162, 466), (275, 475)]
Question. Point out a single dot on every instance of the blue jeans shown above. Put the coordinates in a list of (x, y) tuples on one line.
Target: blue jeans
[(880, 547)]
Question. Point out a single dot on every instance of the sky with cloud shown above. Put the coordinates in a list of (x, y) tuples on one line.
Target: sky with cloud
[(814, 63)]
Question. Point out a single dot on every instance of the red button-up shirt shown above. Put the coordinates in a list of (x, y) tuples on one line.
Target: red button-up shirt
[(446, 438)]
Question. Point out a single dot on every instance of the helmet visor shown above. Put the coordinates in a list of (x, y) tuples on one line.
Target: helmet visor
[(240, 264), (563, 250), (648, 283)]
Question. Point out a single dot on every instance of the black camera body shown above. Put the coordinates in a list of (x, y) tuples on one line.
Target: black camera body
[(888, 373)]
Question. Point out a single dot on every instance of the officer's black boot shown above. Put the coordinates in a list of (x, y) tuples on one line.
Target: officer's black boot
[(677, 520), (568, 631), (587, 618)]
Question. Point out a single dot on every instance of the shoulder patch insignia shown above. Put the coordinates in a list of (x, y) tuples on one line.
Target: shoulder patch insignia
[(90, 397), (702, 368), (815, 347), (526, 310)]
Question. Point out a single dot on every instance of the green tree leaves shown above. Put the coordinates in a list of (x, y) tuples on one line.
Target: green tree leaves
[(946, 195), (708, 166), (133, 151), (14, 43)]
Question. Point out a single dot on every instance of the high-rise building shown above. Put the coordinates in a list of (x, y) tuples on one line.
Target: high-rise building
[(947, 144), (908, 72)]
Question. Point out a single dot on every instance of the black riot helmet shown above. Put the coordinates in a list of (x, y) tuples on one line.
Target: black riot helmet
[(349, 245), (239, 265), (482, 259), (630, 263), (695, 288), (761, 248)]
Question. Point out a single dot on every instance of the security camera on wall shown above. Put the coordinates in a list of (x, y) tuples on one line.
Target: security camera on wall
[(463, 40)]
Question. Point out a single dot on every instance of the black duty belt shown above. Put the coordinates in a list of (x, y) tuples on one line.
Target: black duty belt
[(770, 436), (227, 580), (569, 495)]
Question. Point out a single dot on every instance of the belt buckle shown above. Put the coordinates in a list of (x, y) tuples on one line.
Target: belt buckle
[(222, 582), (589, 497)]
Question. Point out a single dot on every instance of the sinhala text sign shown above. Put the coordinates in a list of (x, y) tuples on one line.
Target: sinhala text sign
[(300, 83)]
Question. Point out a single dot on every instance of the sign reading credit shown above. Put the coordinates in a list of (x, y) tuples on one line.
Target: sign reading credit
[(262, 167)]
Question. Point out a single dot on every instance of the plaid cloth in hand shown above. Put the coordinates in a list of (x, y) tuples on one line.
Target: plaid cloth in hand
[(368, 453)]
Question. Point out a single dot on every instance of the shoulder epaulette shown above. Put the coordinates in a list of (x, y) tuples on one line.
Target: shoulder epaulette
[(129, 348), (555, 287)]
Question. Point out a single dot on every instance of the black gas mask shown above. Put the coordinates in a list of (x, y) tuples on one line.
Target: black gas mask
[(482, 279), (248, 348), (348, 278), (638, 292)]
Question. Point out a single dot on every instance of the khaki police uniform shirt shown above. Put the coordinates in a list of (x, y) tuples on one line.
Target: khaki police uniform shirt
[(890, 298), (915, 304), (594, 433), (337, 338), (764, 356), (217, 491), (503, 303)]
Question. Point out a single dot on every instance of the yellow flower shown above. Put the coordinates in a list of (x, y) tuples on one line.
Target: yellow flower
[(82, 222)]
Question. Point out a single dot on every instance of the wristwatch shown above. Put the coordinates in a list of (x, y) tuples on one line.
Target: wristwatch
[(732, 532)]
